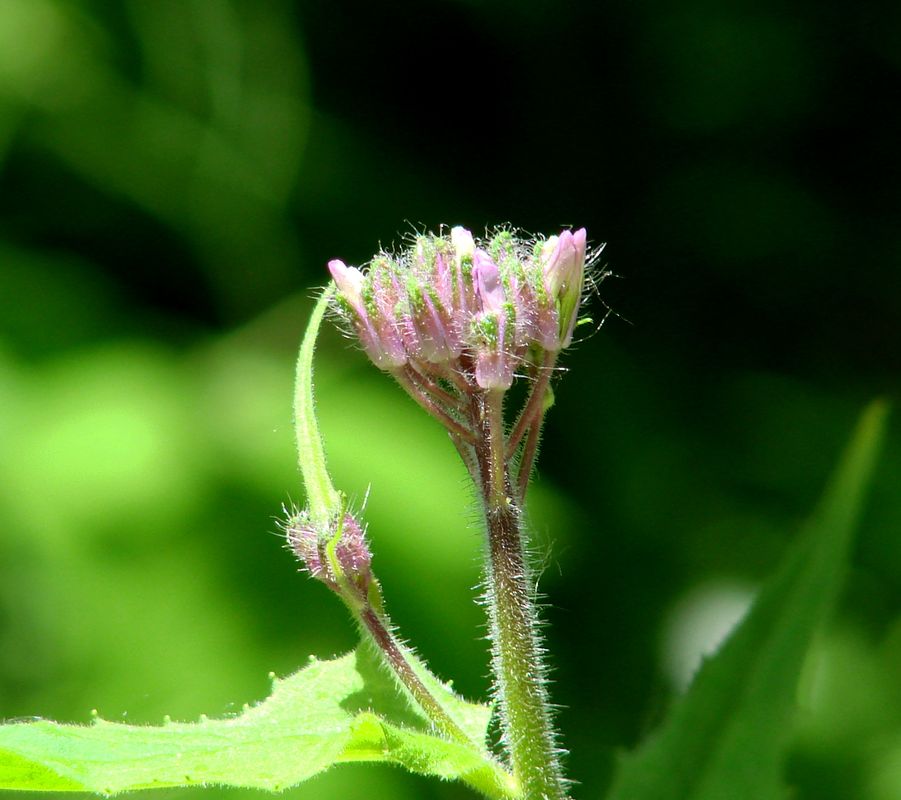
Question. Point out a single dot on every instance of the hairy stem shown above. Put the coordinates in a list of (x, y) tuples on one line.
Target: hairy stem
[(417, 374), (534, 406), (496, 783), (517, 657), (397, 657), (433, 408), (495, 474), (529, 450), (468, 456)]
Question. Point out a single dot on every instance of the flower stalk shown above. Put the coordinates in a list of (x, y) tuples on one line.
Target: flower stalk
[(332, 546), (517, 652), (399, 658), (455, 321)]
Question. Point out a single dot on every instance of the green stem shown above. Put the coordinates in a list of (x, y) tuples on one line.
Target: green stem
[(496, 468), (322, 497), (517, 657)]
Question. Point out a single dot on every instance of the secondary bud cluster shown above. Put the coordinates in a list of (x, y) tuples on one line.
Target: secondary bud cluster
[(335, 553), (477, 308)]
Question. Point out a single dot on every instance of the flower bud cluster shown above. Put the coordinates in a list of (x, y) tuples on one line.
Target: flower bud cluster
[(335, 552), (478, 308)]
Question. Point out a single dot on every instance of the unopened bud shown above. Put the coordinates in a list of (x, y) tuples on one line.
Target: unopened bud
[(463, 247), (487, 280), (372, 310), (335, 553), (563, 268), (452, 307), (463, 243), (431, 329), (382, 293), (495, 362)]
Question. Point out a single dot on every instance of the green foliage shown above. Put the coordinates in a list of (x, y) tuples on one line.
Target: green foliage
[(172, 172), (343, 710), (726, 739)]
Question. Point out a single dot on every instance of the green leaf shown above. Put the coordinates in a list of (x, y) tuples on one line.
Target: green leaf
[(324, 500), (330, 712), (726, 738)]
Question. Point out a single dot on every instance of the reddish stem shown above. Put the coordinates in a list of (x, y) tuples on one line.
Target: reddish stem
[(417, 374), (432, 408), (533, 410)]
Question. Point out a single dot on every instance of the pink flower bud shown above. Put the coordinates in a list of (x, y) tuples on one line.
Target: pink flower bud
[(432, 330), (429, 331), (350, 569), (463, 243), (303, 539), (487, 280), (373, 316), (464, 311), (494, 360), (494, 371), (382, 294), (349, 281), (522, 299), (444, 281), (565, 260), (563, 268), (464, 248), (433, 269), (491, 330)]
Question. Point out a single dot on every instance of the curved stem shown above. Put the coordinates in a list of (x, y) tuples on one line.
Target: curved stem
[(322, 496), (494, 781), (397, 657), (517, 653)]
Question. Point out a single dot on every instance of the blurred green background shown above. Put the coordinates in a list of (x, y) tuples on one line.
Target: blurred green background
[(174, 175)]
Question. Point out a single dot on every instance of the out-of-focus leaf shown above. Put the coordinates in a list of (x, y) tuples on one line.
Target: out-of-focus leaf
[(327, 713), (726, 738)]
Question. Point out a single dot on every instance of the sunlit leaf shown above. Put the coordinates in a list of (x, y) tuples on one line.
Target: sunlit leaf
[(344, 710)]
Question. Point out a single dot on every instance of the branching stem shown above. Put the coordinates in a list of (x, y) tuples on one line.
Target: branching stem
[(433, 408), (436, 391), (534, 405)]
